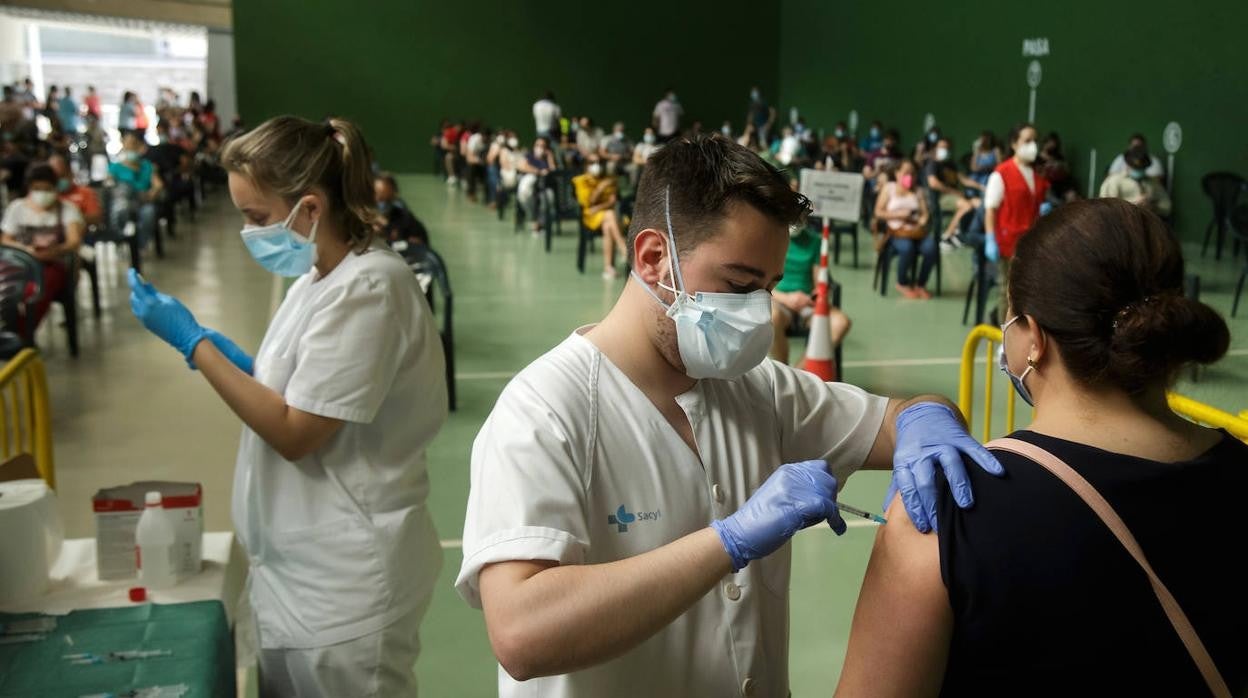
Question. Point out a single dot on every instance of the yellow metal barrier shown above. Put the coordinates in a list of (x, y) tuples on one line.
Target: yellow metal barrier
[(1184, 406), (25, 417)]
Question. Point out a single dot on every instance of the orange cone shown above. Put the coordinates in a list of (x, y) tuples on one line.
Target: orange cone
[(819, 344)]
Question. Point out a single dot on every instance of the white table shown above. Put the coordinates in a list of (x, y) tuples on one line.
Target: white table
[(76, 585)]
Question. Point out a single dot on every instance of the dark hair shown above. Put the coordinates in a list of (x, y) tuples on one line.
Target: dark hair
[(1137, 157), (1104, 279), (704, 174), (1137, 136), (389, 179), (40, 172), (1017, 130)]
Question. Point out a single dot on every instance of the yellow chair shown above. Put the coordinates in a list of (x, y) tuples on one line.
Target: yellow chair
[(25, 418), (1191, 409)]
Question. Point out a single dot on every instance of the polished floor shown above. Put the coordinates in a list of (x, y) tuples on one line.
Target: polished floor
[(129, 409)]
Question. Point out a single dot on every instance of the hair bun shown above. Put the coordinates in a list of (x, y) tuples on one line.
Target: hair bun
[(1160, 334)]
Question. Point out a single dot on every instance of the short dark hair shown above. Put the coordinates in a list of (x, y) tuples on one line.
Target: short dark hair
[(40, 172), (388, 178), (704, 174), (1104, 279), (1017, 130), (1137, 157)]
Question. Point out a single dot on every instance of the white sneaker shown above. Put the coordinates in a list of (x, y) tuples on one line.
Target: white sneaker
[(609, 275), (451, 181)]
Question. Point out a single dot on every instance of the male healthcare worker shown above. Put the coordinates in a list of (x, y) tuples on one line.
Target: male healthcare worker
[(629, 509), (338, 407)]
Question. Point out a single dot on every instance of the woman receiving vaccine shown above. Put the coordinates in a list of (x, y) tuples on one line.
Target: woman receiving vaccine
[(338, 407)]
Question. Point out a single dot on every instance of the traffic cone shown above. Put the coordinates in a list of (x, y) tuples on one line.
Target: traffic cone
[(819, 344)]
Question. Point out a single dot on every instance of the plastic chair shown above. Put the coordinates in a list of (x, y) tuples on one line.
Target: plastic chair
[(982, 282), (835, 230), (423, 260), (25, 414), (884, 261), (105, 233), (1239, 228), (585, 241), (1223, 190), (21, 285)]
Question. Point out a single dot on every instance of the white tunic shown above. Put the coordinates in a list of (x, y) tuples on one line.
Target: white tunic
[(341, 542), (576, 465)]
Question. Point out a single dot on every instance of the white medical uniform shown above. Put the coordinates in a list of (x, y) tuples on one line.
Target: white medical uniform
[(341, 544), (576, 465)]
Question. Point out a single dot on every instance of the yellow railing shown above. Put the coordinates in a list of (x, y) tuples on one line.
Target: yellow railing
[(25, 417), (1184, 406)]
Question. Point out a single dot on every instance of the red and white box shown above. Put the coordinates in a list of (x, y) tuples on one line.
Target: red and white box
[(117, 512)]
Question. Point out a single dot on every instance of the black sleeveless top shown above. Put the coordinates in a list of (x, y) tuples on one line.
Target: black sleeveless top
[(1047, 602)]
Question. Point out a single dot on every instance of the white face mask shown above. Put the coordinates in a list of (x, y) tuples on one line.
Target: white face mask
[(1027, 152), (942, 153), (594, 170), (719, 335), (513, 142), (43, 199)]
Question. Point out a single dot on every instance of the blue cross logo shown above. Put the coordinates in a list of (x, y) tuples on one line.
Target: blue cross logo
[(621, 519)]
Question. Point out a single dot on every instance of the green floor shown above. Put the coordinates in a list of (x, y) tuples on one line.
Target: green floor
[(128, 409)]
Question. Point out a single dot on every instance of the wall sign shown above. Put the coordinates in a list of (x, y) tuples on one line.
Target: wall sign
[(1035, 48)]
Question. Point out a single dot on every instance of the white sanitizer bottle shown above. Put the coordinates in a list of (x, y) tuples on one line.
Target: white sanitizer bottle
[(155, 541)]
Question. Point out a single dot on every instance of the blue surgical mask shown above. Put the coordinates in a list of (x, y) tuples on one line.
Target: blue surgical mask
[(1019, 385), (281, 250), (1136, 174), (719, 335), (875, 132)]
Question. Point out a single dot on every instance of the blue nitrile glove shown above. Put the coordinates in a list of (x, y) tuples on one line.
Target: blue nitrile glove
[(232, 351), (929, 434), (164, 316), (991, 251), (797, 495)]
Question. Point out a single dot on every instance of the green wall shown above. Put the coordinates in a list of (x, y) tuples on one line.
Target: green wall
[(398, 66), (1114, 68)]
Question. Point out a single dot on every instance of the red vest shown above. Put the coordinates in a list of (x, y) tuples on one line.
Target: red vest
[(1020, 207)]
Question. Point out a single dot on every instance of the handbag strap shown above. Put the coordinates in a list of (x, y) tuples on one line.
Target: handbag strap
[(1098, 504)]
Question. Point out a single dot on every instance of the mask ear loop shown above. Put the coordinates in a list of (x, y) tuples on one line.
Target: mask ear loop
[(311, 237), (677, 278)]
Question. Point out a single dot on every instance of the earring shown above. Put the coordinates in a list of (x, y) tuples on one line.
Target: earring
[(1031, 362)]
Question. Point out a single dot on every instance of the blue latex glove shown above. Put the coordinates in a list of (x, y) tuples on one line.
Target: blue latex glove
[(991, 251), (164, 316), (930, 434), (797, 495), (232, 351)]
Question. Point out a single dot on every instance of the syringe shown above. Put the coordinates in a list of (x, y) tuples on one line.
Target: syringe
[(859, 512)]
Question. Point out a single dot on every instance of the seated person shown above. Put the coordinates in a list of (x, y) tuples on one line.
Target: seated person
[(136, 189), (941, 176), (1028, 592), (588, 138), (532, 190), (615, 151), (1119, 164), (49, 229), (509, 157), (1051, 163), (396, 222), (1135, 185), (598, 193), (793, 299), (642, 152), (84, 198), (788, 150), (986, 154), (905, 216)]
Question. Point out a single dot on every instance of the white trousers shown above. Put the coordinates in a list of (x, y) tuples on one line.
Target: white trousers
[(381, 664)]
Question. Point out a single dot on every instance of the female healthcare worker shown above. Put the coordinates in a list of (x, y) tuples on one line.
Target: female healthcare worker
[(346, 393)]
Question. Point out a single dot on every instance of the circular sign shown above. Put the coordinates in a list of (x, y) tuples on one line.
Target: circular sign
[(1172, 137), (929, 120), (1034, 74), (853, 121)]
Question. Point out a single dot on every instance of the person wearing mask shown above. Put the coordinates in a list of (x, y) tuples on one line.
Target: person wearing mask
[(985, 156), (546, 116), (338, 408), (616, 151), (26, 93), (137, 189), (905, 216), (641, 154), (67, 112), (449, 145), (473, 146), (83, 198), (874, 138), (924, 149), (881, 161), (1119, 164), (788, 148), (1012, 201), (666, 116), (509, 158), (725, 130), (589, 138), (636, 467), (597, 192), (1135, 186), (395, 221), (949, 186), (92, 103), (760, 114), (793, 298), (1033, 561), (492, 168), (1052, 164), (533, 190), (127, 113), (47, 228)]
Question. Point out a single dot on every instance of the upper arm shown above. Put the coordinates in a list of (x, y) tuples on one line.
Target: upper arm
[(899, 642), (309, 431), (881, 201), (499, 583)]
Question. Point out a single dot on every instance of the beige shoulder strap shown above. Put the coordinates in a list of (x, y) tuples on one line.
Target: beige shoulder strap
[(1094, 500)]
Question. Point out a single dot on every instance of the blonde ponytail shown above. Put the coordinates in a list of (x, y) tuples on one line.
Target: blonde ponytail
[(289, 156)]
